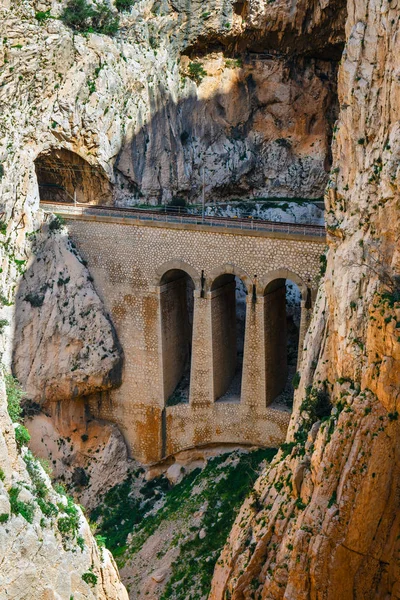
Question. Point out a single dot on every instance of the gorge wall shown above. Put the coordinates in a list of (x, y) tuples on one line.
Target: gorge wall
[(323, 521), (129, 108)]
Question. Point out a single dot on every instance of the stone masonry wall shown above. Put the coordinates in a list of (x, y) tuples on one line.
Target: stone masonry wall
[(127, 262)]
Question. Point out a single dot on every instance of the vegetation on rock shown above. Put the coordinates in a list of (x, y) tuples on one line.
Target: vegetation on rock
[(86, 18), (124, 5), (14, 393), (196, 72), (129, 519)]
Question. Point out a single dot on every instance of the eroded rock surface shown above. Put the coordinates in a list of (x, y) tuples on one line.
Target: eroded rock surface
[(258, 121), (36, 559), (324, 518), (64, 346)]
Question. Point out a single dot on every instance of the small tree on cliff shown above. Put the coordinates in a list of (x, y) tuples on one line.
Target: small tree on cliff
[(84, 17)]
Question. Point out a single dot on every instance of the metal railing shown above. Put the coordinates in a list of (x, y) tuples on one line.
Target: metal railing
[(174, 215)]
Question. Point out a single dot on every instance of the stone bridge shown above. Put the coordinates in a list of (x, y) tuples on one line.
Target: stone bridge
[(169, 289)]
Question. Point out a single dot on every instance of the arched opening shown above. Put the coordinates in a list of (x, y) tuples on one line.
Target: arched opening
[(64, 176), (228, 322), (282, 313), (176, 305)]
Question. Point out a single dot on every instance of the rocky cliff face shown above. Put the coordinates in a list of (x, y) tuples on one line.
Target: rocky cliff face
[(181, 90), (46, 547), (323, 520), (64, 345)]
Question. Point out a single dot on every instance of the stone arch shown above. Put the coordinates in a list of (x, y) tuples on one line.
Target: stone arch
[(281, 330), (227, 287), (177, 265), (65, 176), (272, 276), (229, 269), (176, 284)]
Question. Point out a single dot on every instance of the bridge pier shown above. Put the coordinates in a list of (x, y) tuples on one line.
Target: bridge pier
[(201, 384), (253, 378)]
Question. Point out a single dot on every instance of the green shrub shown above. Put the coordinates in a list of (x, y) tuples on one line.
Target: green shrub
[(233, 63), (296, 380), (65, 525), (48, 508), (3, 227), (322, 263), (196, 72), (34, 299), (332, 499), (89, 578), (82, 17), (4, 300), (46, 466), (25, 509), (60, 489), (77, 15), (68, 525), (42, 16), (392, 296), (56, 224), (287, 448), (124, 5), (2, 475), (36, 475), (101, 541), (104, 21), (22, 436), (81, 542), (3, 323), (4, 517), (15, 394)]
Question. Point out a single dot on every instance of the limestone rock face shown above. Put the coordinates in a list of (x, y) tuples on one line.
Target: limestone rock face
[(256, 122), (64, 345), (87, 455), (36, 561), (323, 520)]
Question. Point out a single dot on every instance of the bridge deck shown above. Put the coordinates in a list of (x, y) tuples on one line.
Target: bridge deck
[(174, 220)]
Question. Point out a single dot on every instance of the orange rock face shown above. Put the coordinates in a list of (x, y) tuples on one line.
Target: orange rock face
[(323, 521)]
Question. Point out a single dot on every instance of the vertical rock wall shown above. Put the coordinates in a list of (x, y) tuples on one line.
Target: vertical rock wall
[(323, 522)]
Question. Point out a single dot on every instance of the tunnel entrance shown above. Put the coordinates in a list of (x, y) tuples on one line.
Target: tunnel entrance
[(64, 176), (282, 313), (228, 322), (176, 304)]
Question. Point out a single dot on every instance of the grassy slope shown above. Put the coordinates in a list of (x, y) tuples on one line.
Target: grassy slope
[(216, 492)]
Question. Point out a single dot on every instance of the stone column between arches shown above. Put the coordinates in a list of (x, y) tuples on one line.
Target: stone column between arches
[(253, 377), (201, 383)]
